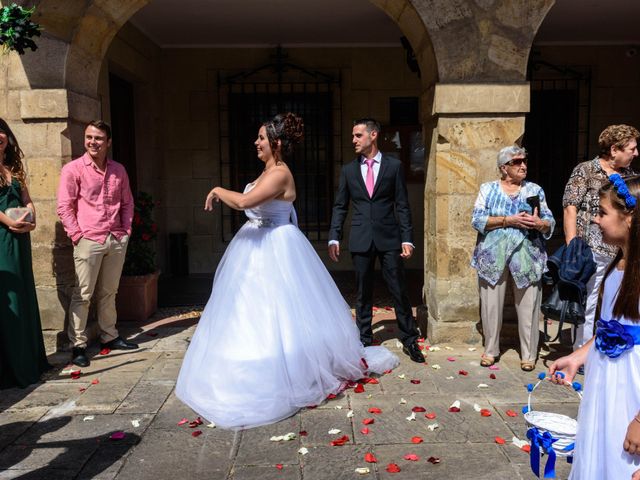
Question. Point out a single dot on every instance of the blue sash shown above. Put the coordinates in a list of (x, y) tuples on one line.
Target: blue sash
[(614, 338)]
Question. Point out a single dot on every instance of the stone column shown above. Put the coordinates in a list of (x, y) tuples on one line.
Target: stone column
[(472, 123)]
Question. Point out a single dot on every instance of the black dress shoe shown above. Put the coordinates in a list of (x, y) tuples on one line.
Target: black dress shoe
[(119, 343), (414, 352), (79, 357)]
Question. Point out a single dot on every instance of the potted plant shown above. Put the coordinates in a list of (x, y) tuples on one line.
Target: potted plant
[(137, 297)]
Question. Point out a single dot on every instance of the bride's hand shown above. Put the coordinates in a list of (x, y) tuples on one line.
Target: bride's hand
[(208, 203)]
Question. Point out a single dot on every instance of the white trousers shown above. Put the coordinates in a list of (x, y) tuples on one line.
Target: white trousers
[(584, 332), (527, 303)]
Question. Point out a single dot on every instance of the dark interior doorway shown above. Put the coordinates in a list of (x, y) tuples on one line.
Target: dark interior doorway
[(121, 94)]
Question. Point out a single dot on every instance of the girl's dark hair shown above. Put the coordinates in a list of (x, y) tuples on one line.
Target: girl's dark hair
[(286, 127), (13, 156), (628, 299)]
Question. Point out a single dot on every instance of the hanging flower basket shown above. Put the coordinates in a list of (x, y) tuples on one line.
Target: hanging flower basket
[(17, 29)]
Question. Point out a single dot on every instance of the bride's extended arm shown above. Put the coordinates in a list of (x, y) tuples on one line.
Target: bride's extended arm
[(270, 186)]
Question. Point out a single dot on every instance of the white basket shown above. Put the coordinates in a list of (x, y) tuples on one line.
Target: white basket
[(560, 427)]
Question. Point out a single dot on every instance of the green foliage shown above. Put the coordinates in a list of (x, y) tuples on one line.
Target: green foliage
[(141, 255), (16, 28)]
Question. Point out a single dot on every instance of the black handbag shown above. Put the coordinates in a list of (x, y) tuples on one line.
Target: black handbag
[(569, 311)]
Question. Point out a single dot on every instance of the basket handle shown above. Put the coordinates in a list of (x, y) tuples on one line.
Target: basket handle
[(577, 387)]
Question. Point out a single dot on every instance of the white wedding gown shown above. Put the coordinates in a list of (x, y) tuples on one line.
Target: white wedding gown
[(276, 334)]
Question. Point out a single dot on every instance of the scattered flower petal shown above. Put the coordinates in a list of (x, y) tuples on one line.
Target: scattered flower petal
[(362, 470), (303, 450), (435, 366), (105, 351), (331, 396), (338, 407), (279, 466), (483, 385), (448, 348), (398, 345), (511, 413), (519, 443), (412, 457), (434, 460), (415, 381), (455, 406), (526, 448), (500, 440), (472, 349), (340, 441), (358, 388), (430, 415), (449, 378), (303, 433), (393, 468), (492, 376), (350, 414), (76, 374), (95, 381), (433, 426), (196, 433), (485, 412), (418, 409), (119, 435), (365, 431), (135, 423), (370, 458), (451, 359), (372, 381), (402, 376), (211, 425), (88, 418), (464, 373), (412, 416), (283, 438), (434, 349), (402, 401), (375, 410), (183, 421), (494, 367), (476, 407), (334, 431), (416, 440), (368, 421)]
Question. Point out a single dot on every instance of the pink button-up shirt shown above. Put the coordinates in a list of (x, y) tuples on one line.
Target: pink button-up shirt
[(93, 204)]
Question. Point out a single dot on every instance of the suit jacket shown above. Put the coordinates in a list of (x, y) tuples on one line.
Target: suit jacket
[(383, 220)]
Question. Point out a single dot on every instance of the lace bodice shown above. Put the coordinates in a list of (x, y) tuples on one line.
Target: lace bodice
[(272, 213)]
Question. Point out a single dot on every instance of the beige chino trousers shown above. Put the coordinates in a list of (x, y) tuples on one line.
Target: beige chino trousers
[(527, 302), (98, 269)]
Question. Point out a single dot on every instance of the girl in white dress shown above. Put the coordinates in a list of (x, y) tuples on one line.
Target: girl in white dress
[(276, 334), (608, 437)]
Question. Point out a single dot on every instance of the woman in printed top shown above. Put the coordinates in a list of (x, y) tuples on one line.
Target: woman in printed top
[(608, 438), (512, 219), (581, 201)]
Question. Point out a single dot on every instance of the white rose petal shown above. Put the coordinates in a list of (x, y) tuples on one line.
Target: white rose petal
[(211, 425), (350, 414), (476, 407), (449, 378), (362, 470), (433, 426), (448, 348), (338, 407), (412, 416), (483, 385), (434, 349), (472, 349), (135, 423), (334, 431), (303, 451), (519, 443), (402, 401), (455, 404), (88, 418), (435, 366), (402, 376)]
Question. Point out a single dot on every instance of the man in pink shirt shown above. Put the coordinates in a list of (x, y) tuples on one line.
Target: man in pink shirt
[(96, 208)]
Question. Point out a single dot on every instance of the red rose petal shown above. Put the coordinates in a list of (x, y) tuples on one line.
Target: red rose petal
[(359, 388), (81, 390), (393, 468), (418, 409), (526, 448), (105, 351), (196, 433), (387, 372), (183, 421), (117, 435), (492, 376), (388, 309), (302, 433), (430, 415), (412, 457), (464, 373), (375, 410), (152, 334), (485, 412), (421, 347), (340, 441), (415, 382), (279, 466), (95, 381), (331, 396), (372, 381), (433, 460), (76, 374), (454, 409), (368, 421), (451, 359), (365, 431), (420, 340), (511, 413), (370, 458), (500, 440), (364, 362), (416, 440)]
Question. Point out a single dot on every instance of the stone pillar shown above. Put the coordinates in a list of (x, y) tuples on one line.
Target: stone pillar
[(472, 123)]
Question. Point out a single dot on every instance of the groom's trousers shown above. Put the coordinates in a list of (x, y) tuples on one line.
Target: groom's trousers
[(393, 274)]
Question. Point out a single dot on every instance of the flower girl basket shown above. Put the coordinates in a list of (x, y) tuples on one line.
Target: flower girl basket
[(550, 433)]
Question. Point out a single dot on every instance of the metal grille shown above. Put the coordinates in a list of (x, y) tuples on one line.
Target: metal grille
[(246, 101), (557, 128)]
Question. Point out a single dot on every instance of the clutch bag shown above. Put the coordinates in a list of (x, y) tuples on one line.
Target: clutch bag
[(15, 213)]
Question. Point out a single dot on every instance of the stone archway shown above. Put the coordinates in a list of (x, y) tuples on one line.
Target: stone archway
[(473, 56)]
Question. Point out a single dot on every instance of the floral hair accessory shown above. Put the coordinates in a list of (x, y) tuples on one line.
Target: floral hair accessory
[(622, 190)]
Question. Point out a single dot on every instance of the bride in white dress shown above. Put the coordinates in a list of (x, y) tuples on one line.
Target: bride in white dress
[(276, 334)]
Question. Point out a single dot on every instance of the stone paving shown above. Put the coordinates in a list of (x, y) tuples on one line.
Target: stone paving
[(62, 428)]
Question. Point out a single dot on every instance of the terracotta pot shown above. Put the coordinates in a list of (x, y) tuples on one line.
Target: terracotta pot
[(137, 297)]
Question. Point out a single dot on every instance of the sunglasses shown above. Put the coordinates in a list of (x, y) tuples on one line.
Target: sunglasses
[(517, 162)]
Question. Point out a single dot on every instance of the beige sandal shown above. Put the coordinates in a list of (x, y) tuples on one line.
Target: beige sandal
[(527, 366), (487, 360)]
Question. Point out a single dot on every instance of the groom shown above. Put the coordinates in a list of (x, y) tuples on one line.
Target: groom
[(380, 228)]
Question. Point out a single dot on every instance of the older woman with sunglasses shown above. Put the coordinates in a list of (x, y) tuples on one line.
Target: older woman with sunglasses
[(512, 219)]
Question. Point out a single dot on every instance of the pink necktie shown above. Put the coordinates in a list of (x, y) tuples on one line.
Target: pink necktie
[(369, 182)]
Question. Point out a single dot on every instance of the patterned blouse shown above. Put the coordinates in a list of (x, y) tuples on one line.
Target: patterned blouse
[(582, 192), (509, 247)]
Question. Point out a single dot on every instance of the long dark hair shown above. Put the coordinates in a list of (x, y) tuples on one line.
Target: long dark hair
[(629, 294), (286, 127), (12, 156)]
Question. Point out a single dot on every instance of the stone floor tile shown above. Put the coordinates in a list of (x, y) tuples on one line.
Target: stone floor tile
[(163, 369), (102, 398), (146, 397), (336, 463), (257, 449), (105, 463), (44, 395), (287, 472), (317, 424)]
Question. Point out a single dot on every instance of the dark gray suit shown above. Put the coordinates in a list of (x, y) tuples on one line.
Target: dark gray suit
[(379, 226)]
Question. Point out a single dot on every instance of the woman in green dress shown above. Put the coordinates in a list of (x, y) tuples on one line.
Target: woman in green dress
[(22, 354)]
